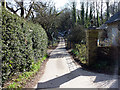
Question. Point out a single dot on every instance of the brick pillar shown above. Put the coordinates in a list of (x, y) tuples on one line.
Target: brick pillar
[(91, 38)]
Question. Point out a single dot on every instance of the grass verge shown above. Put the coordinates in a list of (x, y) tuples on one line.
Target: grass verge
[(21, 80)]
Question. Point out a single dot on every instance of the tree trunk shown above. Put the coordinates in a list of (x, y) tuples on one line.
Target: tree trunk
[(119, 6), (107, 3), (4, 3), (91, 11), (22, 9), (101, 11)]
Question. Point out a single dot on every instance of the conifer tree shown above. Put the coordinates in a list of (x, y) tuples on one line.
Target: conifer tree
[(91, 14), (101, 11), (98, 19), (74, 19), (82, 13), (107, 3), (86, 16)]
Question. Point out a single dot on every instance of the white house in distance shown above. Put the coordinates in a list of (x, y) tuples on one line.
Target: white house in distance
[(112, 29)]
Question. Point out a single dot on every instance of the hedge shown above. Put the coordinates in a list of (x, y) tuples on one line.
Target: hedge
[(23, 43), (0, 46)]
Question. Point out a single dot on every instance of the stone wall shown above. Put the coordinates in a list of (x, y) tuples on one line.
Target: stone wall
[(105, 53)]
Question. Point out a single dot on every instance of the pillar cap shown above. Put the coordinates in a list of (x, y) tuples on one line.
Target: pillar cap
[(92, 25), (92, 28)]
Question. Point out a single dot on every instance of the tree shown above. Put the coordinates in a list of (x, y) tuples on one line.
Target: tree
[(91, 13), (86, 12), (74, 19), (46, 16), (19, 5), (4, 3), (101, 11), (64, 20), (113, 8), (86, 16), (78, 17), (107, 3), (82, 13), (119, 6), (98, 19), (22, 8)]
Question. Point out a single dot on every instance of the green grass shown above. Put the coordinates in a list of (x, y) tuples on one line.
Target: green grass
[(23, 77), (14, 85)]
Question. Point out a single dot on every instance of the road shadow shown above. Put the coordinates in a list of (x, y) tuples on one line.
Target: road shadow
[(56, 82), (58, 55)]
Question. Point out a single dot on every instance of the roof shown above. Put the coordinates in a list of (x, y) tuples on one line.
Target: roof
[(92, 27), (103, 26), (114, 18)]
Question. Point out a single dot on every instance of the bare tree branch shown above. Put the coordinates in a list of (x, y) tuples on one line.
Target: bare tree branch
[(11, 9), (30, 10), (19, 3)]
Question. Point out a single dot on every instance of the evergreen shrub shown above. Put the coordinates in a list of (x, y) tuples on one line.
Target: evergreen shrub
[(22, 44)]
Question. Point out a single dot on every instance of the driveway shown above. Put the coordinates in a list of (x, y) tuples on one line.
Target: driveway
[(62, 72)]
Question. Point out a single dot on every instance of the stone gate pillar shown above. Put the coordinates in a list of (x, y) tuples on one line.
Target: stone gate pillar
[(91, 42)]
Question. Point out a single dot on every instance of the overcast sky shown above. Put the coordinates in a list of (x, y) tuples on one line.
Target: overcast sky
[(60, 4)]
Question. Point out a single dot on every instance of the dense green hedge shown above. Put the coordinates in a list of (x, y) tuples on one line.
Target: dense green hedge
[(0, 46), (23, 43)]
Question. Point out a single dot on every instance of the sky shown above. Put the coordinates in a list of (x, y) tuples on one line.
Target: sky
[(60, 4)]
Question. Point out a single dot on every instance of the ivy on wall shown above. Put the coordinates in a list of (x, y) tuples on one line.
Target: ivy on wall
[(23, 43)]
